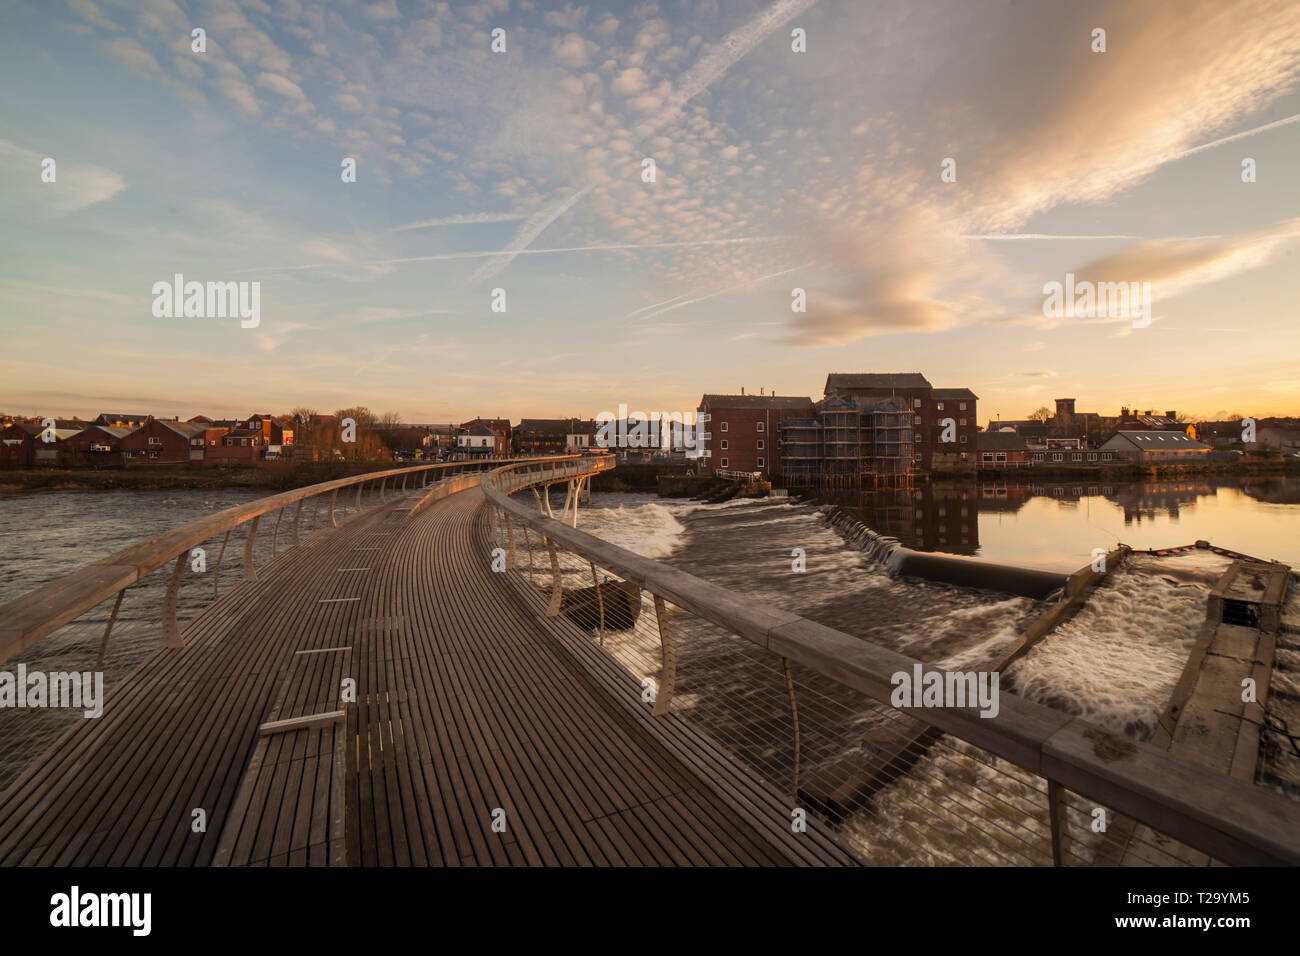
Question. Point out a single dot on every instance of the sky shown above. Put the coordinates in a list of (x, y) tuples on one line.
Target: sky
[(783, 160)]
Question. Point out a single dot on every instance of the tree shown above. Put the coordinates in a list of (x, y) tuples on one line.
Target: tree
[(1043, 414)]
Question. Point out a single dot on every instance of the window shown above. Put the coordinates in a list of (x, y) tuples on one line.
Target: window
[(987, 456), (760, 444), (961, 406), (760, 425), (154, 440), (760, 463), (961, 422), (1057, 456), (917, 438), (916, 420), (724, 444), (724, 463), (1092, 456), (939, 406), (1001, 456), (1076, 457), (916, 403), (724, 426), (963, 440)]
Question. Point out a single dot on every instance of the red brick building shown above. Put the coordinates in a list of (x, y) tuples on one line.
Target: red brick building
[(743, 431), (99, 446), (500, 428), (164, 443), (17, 444)]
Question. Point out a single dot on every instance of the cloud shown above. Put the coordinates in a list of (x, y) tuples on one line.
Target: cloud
[(77, 185)]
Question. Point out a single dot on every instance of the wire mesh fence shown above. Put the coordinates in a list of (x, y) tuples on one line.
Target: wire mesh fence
[(888, 785)]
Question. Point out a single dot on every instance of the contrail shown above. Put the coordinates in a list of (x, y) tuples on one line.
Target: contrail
[(998, 236), (647, 308), (708, 68), (492, 253), (529, 231), (461, 220), (730, 288), (612, 247), (1234, 137)]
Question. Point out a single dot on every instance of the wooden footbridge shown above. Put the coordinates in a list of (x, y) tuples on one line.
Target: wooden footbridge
[(397, 689)]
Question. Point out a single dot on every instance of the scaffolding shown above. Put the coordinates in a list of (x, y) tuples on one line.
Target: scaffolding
[(848, 446)]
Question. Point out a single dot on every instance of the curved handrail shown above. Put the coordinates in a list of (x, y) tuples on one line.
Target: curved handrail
[(32, 616), (1230, 819)]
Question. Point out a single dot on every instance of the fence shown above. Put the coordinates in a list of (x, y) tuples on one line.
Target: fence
[(807, 708)]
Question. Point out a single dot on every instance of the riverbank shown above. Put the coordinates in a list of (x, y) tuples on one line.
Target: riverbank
[(278, 477)]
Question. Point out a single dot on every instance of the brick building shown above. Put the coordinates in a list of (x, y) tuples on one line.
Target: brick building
[(500, 429), (744, 432), (164, 443), (99, 446)]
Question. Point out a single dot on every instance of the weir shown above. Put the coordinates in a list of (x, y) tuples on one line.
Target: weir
[(447, 678)]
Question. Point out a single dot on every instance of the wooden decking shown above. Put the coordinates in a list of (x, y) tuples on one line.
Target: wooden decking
[(466, 704)]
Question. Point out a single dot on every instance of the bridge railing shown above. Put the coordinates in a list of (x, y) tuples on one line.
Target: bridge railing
[(33, 616), (808, 708)]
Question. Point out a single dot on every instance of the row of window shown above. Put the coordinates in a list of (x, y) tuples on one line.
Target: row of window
[(723, 462)]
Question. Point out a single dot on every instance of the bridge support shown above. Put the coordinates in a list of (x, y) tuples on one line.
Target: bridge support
[(668, 673), (250, 571), (171, 630), (794, 715), (557, 584), (334, 523)]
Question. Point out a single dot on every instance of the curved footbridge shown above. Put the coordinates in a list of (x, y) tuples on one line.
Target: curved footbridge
[(467, 713), (456, 676)]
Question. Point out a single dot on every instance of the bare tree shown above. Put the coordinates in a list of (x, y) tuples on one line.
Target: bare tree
[(1043, 414)]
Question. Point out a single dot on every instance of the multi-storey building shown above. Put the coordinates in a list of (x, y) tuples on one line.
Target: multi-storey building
[(943, 420), (743, 431)]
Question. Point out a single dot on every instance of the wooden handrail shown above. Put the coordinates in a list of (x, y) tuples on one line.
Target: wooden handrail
[(1232, 820), (32, 616)]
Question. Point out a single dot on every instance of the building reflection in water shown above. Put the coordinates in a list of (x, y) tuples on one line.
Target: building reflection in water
[(944, 515)]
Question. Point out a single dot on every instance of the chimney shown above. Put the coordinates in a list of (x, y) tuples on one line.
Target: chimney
[(1171, 414), (742, 390)]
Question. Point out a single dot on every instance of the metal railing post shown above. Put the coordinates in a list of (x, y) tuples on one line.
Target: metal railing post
[(668, 673), (510, 538), (557, 584), (1056, 810), (333, 497), (600, 598), (216, 572), (275, 534), (171, 630), (297, 513), (103, 642), (250, 570), (794, 715)]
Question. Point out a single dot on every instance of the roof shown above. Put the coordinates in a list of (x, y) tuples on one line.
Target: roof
[(876, 380), (1000, 441), (481, 429), (757, 401), (954, 393), (1156, 439), (184, 429), (121, 417), (112, 430)]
